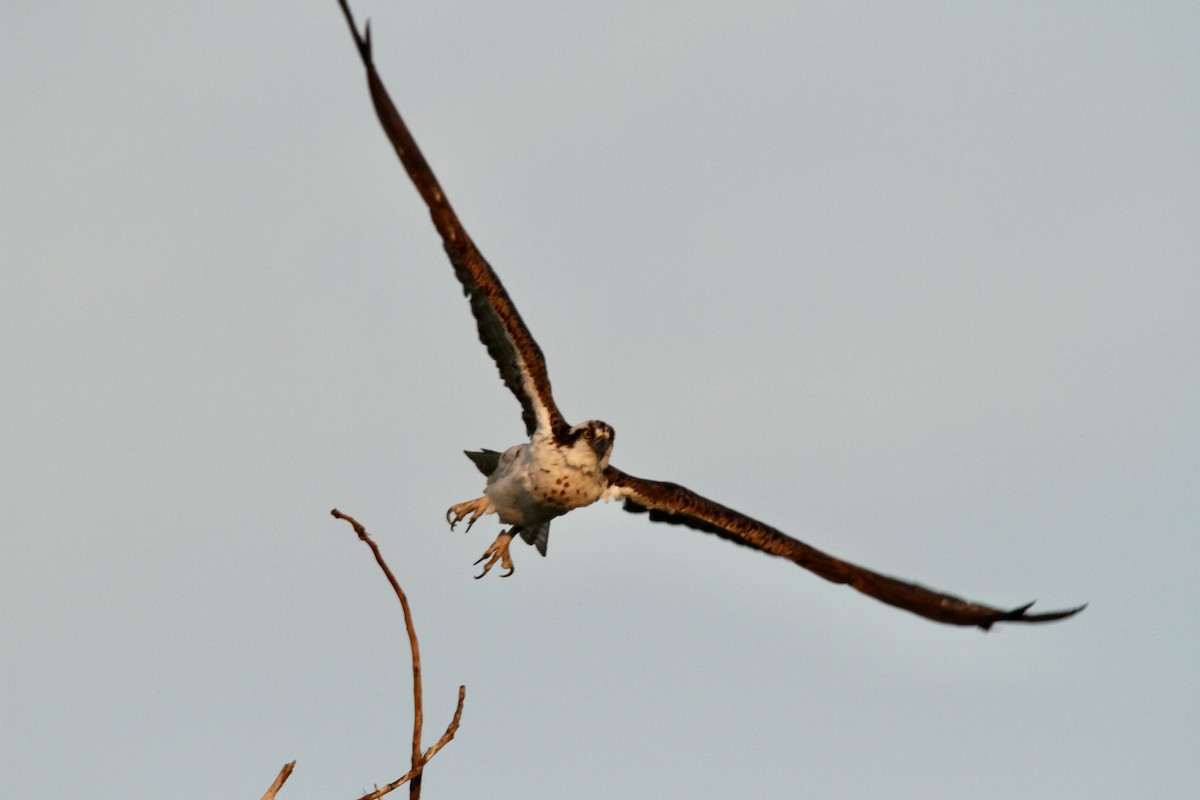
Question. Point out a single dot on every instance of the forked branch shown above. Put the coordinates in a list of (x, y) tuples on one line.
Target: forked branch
[(419, 758)]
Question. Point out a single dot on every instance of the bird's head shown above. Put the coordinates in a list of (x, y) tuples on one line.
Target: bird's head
[(592, 441)]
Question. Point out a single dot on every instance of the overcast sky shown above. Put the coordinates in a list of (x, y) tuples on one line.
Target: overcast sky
[(918, 283)]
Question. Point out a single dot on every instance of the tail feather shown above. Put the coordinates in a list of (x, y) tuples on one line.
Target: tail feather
[(485, 460), (539, 537)]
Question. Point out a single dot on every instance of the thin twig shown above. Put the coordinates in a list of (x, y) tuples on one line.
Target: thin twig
[(419, 759), (418, 716), (396, 784), (451, 729), (279, 779)]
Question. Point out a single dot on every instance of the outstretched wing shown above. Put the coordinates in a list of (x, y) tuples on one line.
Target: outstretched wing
[(501, 329), (669, 502)]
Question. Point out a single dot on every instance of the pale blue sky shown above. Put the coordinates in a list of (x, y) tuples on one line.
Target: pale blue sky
[(917, 283)]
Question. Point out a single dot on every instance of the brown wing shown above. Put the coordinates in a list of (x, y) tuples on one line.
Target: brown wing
[(669, 502), (501, 329)]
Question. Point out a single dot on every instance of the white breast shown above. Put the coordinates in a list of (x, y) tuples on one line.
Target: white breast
[(539, 481)]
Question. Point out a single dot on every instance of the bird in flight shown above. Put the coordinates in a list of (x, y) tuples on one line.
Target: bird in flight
[(563, 467)]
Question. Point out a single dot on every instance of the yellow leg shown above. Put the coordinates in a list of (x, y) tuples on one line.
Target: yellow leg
[(470, 511), (498, 552)]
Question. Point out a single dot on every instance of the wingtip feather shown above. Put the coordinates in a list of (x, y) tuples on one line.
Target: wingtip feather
[(1020, 614)]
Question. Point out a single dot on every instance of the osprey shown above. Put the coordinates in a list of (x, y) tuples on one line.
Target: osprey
[(564, 467)]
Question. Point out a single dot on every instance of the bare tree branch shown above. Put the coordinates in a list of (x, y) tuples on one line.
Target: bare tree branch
[(419, 759), (451, 729), (279, 779)]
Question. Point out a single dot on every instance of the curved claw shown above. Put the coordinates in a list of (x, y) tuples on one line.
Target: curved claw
[(498, 551), (470, 511), (511, 570)]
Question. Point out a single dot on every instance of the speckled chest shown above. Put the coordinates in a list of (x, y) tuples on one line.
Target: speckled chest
[(535, 483)]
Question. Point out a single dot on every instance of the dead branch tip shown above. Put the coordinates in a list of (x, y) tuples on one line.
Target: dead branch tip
[(279, 780)]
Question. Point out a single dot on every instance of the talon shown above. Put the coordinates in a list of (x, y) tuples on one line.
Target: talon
[(498, 551), (469, 511)]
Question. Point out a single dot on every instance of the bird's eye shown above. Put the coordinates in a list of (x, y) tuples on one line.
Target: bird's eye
[(587, 433)]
